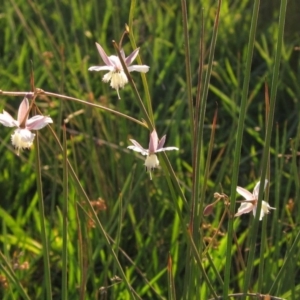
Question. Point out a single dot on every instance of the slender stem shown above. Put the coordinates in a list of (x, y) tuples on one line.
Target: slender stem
[(264, 225), (131, 82), (134, 46), (237, 151), (188, 66), (267, 143), (65, 220), (171, 283), (38, 168), (42, 92), (7, 270), (198, 260), (95, 218), (189, 237), (289, 255), (199, 130)]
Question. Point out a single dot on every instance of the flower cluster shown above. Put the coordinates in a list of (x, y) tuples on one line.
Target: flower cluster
[(22, 136)]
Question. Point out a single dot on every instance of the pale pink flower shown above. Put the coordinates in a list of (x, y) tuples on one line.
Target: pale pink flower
[(22, 136), (116, 74), (155, 146), (250, 204)]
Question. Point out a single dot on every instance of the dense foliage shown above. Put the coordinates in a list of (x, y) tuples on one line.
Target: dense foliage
[(99, 228)]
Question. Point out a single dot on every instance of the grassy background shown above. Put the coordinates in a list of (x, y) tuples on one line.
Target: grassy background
[(58, 39)]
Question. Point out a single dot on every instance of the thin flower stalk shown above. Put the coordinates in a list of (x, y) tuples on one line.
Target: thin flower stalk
[(250, 204)]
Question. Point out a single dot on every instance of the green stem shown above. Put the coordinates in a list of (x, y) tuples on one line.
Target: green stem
[(237, 151), (189, 237), (65, 220), (7, 270), (47, 276), (253, 233), (188, 66), (134, 46), (131, 82), (289, 255), (95, 218)]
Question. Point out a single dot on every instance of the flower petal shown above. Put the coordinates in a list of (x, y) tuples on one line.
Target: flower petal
[(161, 142), (116, 63), (139, 68), (244, 209), (7, 120), (153, 143), (23, 111), (103, 55), (132, 56), (38, 122), (254, 211), (101, 68), (123, 54), (256, 188), (166, 149), (246, 194), (265, 207), (137, 147), (135, 143)]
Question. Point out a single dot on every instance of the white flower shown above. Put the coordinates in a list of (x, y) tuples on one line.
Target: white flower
[(23, 137), (155, 146), (116, 74), (250, 204)]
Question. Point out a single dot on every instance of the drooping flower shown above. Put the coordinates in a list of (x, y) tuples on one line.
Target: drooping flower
[(116, 74), (250, 204), (155, 146), (22, 136)]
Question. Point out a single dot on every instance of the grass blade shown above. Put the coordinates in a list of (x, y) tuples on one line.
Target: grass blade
[(264, 168), (188, 66), (239, 137), (42, 220), (65, 220)]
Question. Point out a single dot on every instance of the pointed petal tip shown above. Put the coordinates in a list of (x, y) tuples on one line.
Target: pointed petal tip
[(7, 120), (23, 110), (132, 56), (103, 55), (243, 192), (38, 122), (100, 68), (139, 68), (153, 143)]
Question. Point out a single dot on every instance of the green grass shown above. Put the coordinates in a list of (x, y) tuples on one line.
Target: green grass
[(80, 217)]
